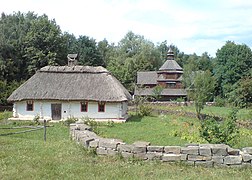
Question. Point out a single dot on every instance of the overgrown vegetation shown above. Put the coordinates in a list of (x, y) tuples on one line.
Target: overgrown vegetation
[(225, 131)]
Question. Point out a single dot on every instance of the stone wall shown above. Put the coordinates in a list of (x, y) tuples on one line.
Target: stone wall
[(208, 155)]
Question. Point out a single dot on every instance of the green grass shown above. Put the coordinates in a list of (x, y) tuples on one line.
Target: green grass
[(243, 114), (27, 156), (165, 130), (159, 130)]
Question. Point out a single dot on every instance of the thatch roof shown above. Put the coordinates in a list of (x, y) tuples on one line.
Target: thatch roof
[(71, 83)]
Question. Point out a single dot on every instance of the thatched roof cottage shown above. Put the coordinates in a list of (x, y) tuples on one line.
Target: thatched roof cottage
[(59, 92)]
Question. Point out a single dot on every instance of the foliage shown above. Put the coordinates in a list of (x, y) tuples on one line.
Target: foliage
[(6, 88), (36, 119), (241, 95), (92, 123), (220, 132), (70, 120), (200, 89), (134, 53), (233, 61), (145, 110), (156, 93), (219, 101)]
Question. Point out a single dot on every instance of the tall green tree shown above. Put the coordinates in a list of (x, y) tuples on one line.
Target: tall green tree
[(134, 53), (200, 89), (88, 52), (233, 61)]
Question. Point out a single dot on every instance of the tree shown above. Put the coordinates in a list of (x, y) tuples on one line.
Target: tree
[(88, 52), (241, 95), (157, 90), (232, 63), (133, 54), (200, 89)]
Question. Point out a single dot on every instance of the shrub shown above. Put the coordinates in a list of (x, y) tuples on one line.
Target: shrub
[(220, 102), (145, 110), (220, 131), (92, 123), (70, 120)]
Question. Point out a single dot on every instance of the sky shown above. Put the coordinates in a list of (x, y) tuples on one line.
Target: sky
[(194, 26)]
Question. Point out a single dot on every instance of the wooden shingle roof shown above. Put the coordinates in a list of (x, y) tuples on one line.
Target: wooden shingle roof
[(148, 77)]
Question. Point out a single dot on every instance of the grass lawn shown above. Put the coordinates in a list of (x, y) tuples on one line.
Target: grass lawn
[(164, 130), (27, 156), (159, 130), (243, 114)]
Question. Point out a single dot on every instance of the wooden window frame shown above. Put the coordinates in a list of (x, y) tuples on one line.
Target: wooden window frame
[(29, 105), (101, 106), (84, 104)]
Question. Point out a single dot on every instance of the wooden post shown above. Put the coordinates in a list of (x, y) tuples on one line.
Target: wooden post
[(44, 130)]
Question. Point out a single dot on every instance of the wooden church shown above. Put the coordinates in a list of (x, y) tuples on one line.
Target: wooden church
[(168, 77)]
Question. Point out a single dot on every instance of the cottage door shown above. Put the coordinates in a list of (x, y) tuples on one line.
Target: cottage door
[(56, 111)]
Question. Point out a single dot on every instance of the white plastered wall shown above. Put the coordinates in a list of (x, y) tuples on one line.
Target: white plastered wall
[(42, 108)]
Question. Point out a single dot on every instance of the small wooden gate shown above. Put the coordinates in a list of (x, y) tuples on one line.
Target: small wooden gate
[(56, 111)]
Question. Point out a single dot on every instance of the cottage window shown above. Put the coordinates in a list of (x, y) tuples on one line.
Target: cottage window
[(84, 106), (29, 105), (101, 107)]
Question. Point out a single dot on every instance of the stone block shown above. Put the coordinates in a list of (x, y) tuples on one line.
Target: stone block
[(155, 148), (83, 127), (192, 157), (94, 144), (91, 134), (171, 157), (219, 150), (172, 149), (109, 143), (246, 157), (101, 151), (207, 164), (247, 150), (86, 140), (154, 155), (232, 151), (184, 157), (140, 156), (141, 143), (124, 147), (232, 160), (127, 155), (205, 151), (193, 150), (218, 159), (137, 149), (112, 152)]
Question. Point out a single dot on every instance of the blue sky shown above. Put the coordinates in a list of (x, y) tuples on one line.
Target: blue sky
[(192, 25)]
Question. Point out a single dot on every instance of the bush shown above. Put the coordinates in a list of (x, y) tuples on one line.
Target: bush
[(92, 123), (70, 120), (220, 102), (145, 110), (220, 131)]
